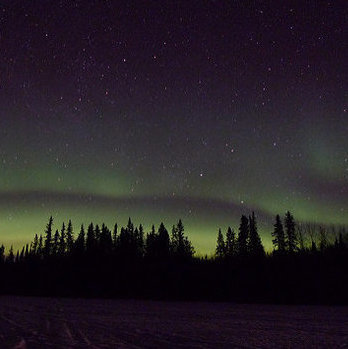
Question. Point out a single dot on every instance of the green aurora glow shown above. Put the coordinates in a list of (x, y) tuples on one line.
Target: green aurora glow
[(201, 117)]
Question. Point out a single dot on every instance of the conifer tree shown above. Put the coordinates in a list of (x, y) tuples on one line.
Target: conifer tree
[(90, 239), (69, 237), (128, 241), (34, 245), (255, 245), (105, 240), (48, 238), (150, 247), (125, 242), (278, 234), (243, 236), (62, 241), (135, 242), (140, 240), (55, 246), (163, 242), (40, 247), (220, 246), (114, 236), (97, 233), (130, 227), (230, 243), (181, 245), (80, 241), (290, 232)]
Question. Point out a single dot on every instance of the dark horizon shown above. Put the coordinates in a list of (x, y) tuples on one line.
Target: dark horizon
[(305, 266)]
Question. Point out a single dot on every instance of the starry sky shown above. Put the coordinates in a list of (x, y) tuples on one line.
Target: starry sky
[(160, 110)]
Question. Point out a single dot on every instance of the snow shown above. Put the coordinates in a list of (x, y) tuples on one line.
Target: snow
[(27, 322)]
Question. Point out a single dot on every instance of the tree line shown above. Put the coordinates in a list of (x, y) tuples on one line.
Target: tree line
[(127, 262), (288, 237), (130, 242)]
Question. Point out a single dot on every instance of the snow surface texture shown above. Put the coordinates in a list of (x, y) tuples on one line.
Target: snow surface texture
[(81, 323)]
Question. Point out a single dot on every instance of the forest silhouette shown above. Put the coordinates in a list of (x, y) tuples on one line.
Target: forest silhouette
[(308, 264)]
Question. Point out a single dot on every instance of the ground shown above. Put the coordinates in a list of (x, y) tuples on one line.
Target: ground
[(27, 322)]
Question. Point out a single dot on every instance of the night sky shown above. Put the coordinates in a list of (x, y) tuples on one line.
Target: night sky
[(160, 110)]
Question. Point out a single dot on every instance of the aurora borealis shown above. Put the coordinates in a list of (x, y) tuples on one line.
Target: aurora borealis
[(200, 110)]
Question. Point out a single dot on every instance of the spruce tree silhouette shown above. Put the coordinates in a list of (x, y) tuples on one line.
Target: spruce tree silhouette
[(231, 248), (79, 247), (90, 240), (48, 238), (69, 237), (255, 246), (181, 246), (135, 241), (243, 236), (278, 234), (97, 239), (163, 242), (114, 237), (62, 241), (290, 232), (34, 245), (220, 251), (105, 240), (150, 244), (140, 241), (128, 242), (40, 248), (55, 245)]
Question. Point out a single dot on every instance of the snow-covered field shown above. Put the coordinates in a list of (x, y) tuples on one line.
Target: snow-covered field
[(81, 323)]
